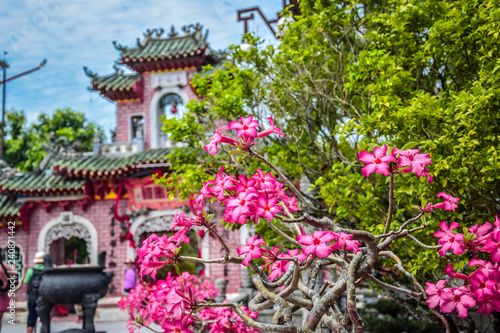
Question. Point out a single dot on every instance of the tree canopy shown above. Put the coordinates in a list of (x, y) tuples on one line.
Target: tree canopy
[(65, 128)]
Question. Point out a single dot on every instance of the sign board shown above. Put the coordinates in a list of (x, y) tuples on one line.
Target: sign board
[(169, 79)]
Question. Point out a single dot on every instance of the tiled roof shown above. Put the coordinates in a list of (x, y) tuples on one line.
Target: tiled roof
[(108, 167), (117, 86), (166, 47), (115, 82), (34, 184), (9, 208)]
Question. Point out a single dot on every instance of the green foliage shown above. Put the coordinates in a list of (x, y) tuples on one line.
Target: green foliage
[(65, 128)]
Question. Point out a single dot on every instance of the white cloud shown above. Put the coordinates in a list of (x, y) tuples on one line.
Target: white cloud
[(71, 34)]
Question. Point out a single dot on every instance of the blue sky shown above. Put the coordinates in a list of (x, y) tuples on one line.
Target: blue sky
[(71, 34)]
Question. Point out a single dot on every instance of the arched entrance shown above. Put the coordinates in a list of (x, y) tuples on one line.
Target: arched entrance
[(69, 229), (169, 102)]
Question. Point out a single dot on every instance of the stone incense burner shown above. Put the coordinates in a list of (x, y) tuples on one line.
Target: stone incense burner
[(83, 285)]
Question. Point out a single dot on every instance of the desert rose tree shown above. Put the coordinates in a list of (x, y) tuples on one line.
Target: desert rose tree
[(180, 304)]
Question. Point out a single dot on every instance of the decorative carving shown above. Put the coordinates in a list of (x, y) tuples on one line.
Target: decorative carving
[(67, 230), (160, 223), (89, 73), (119, 47)]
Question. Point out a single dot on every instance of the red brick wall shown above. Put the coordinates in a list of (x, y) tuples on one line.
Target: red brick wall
[(232, 239)]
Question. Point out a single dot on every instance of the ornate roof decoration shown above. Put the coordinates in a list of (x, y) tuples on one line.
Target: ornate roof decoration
[(159, 52), (117, 86), (102, 167)]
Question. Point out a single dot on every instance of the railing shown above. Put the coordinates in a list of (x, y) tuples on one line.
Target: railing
[(121, 148)]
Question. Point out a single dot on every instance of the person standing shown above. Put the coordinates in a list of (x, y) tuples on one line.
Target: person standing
[(32, 280), (129, 276), (4, 297)]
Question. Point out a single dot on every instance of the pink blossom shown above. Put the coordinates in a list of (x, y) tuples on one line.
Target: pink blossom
[(204, 193), (376, 162), (270, 130), (266, 181), (344, 239), (252, 249), (488, 304), (181, 220), (246, 128), (457, 299), (175, 327), (211, 148), (493, 247), (451, 273), (481, 286), (448, 239), (245, 184), (267, 207), (449, 203), (240, 205), (317, 243), (222, 182), (279, 267), (434, 291), (412, 160)]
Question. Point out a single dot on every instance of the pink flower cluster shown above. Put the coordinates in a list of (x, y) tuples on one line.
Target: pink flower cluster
[(486, 238), (481, 286), (320, 244), (168, 302), (246, 130), (225, 320), (398, 161), (245, 198)]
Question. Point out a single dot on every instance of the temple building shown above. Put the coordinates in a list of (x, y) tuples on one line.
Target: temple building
[(78, 204)]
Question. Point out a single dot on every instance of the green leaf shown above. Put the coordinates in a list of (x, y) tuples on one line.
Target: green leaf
[(409, 145)]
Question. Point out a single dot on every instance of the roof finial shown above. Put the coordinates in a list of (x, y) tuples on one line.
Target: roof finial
[(89, 73), (172, 33), (119, 47), (118, 70)]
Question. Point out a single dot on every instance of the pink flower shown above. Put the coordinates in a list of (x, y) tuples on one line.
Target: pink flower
[(493, 247), (222, 182), (181, 220), (449, 240), (245, 184), (240, 205), (344, 239), (247, 127), (252, 249), (317, 243), (376, 162), (211, 148), (451, 273), (482, 286), (488, 304), (204, 193), (279, 267), (264, 181), (449, 203), (175, 327), (457, 299), (270, 130), (267, 207), (434, 291), (412, 160)]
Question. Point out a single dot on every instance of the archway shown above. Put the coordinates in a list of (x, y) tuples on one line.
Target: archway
[(164, 102), (66, 227)]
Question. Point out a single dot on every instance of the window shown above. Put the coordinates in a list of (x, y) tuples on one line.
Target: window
[(137, 123), (172, 106), (151, 193)]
